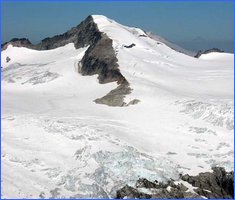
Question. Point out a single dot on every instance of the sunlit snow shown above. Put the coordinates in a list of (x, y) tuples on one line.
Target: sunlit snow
[(57, 142)]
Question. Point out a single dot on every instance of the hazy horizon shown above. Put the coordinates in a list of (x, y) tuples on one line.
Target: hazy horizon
[(192, 25)]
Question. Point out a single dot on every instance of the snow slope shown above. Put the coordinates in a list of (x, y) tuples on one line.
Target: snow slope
[(56, 142)]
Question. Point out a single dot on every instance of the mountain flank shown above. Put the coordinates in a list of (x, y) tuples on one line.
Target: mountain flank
[(99, 58)]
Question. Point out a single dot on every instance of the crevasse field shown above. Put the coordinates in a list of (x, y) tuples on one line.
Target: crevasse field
[(57, 142)]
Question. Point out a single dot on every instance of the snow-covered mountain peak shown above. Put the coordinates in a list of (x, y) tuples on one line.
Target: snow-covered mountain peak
[(100, 17), (163, 113), (120, 34)]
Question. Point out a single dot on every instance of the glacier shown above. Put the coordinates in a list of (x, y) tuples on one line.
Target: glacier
[(58, 143)]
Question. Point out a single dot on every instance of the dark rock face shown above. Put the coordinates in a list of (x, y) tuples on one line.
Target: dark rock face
[(115, 97), (8, 59), (144, 183), (17, 42), (218, 184), (212, 50), (86, 33), (99, 58), (199, 53), (82, 35), (142, 35), (129, 46), (156, 191), (131, 192)]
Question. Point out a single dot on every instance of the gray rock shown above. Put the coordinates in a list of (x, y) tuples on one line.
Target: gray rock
[(99, 58), (129, 46), (144, 183), (8, 59), (115, 97), (86, 33), (130, 192), (199, 53), (133, 102), (42, 195), (218, 184), (18, 42), (55, 193)]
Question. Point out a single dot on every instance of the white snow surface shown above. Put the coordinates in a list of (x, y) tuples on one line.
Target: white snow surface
[(58, 143)]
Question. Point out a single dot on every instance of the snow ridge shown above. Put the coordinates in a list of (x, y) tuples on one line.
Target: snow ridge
[(57, 142)]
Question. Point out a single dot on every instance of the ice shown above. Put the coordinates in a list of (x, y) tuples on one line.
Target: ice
[(58, 143)]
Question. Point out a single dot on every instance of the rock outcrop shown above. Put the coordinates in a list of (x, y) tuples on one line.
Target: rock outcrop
[(99, 58), (116, 97), (86, 33), (199, 53), (129, 46), (8, 59), (18, 42), (217, 184), (132, 193)]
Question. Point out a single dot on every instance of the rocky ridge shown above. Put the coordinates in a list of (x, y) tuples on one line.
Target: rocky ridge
[(18, 42), (199, 53), (99, 58), (215, 184)]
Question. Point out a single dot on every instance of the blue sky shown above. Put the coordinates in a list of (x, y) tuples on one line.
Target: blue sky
[(192, 25)]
